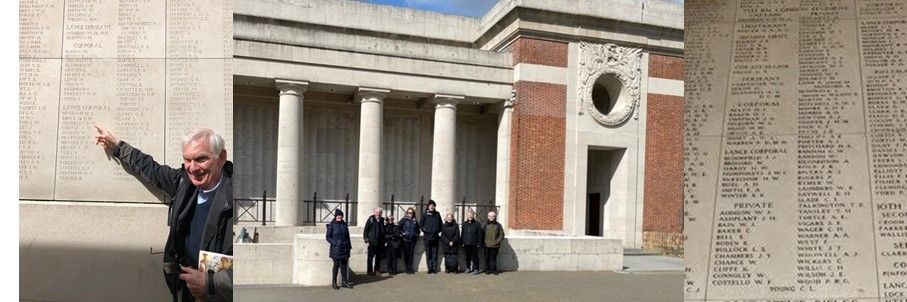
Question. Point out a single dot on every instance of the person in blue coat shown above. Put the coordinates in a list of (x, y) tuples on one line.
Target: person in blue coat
[(338, 236)]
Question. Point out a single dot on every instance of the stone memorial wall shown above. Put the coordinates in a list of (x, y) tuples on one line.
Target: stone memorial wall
[(795, 158), (150, 70)]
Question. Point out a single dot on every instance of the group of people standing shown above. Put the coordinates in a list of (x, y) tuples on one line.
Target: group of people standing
[(386, 238)]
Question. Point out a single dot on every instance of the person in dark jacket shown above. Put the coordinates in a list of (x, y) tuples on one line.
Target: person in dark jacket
[(374, 237), (450, 240), (431, 227), (200, 213), (494, 234), (472, 238), (338, 236), (409, 229), (392, 236)]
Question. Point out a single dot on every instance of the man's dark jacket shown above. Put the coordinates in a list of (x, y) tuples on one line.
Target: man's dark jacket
[(374, 231), (431, 225), (218, 233), (472, 233)]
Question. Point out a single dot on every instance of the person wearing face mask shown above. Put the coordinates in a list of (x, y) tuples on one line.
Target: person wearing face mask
[(450, 240), (431, 227), (392, 237), (409, 229), (338, 236), (471, 235)]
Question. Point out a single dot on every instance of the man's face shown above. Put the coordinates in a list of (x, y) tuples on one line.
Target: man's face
[(431, 207), (470, 215), (491, 216), (378, 213), (203, 168)]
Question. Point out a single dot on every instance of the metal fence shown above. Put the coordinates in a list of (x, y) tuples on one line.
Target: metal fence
[(398, 208), (255, 210)]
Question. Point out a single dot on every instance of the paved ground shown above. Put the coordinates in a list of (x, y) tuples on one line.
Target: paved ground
[(509, 286), (652, 263)]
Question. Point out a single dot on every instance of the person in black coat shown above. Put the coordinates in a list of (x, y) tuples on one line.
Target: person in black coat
[(338, 236), (409, 229), (431, 226), (471, 236), (374, 237), (392, 236), (450, 240)]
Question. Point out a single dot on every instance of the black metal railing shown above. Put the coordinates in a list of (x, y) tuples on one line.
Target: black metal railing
[(322, 211), (480, 210), (262, 209), (394, 207), (254, 209)]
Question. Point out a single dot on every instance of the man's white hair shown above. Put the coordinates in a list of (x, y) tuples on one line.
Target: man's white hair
[(215, 140)]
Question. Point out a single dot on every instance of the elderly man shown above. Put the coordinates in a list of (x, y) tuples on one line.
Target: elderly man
[(494, 234), (200, 213), (374, 237)]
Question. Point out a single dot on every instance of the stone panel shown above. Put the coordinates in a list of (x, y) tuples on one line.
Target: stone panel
[(794, 160), (115, 63)]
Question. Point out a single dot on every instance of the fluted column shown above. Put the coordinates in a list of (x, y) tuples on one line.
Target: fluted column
[(502, 177), (443, 153), (371, 125), (289, 153)]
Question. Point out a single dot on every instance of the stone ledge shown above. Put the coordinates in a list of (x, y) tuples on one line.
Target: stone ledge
[(312, 266)]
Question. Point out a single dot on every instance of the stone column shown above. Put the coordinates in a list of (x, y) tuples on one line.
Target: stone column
[(371, 125), (289, 153), (502, 177), (443, 153)]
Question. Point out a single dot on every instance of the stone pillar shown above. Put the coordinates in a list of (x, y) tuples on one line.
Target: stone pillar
[(289, 153), (502, 175), (371, 125), (443, 153)]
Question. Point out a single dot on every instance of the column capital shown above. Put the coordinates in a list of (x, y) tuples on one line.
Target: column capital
[(508, 103), (291, 87), (364, 94), (447, 100)]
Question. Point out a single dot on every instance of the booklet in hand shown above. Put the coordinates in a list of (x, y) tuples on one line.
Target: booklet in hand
[(214, 261)]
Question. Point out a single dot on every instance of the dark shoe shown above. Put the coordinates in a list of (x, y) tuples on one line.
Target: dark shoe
[(495, 273), (476, 272), (347, 285), (487, 272)]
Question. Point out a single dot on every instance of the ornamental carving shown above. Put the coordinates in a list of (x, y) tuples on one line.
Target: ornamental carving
[(623, 63)]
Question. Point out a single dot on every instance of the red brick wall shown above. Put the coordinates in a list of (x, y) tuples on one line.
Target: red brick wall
[(665, 67), (538, 134), (541, 52), (663, 199), (537, 156)]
